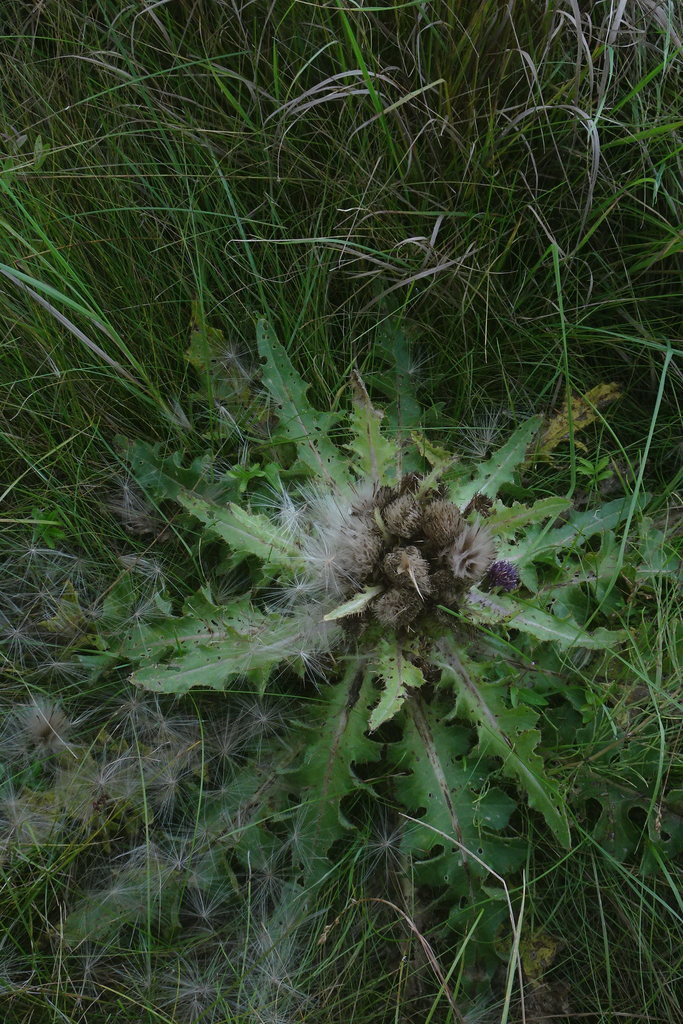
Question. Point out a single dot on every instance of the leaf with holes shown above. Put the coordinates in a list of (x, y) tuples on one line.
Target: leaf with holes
[(508, 734), (336, 744), (449, 791)]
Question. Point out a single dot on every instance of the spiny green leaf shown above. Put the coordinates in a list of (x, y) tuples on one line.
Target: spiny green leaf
[(337, 742), (206, 343), (209, 667), (164, 476), (404, 412), (244, 531), (210, 648), (506, 521), (498, 608), (376, 457), (439, 780), (399, 674), (202, 622), (543, 542), (507, 733), (500, 468), (302, 424)]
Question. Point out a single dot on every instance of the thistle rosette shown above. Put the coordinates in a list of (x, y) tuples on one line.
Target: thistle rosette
[(371, 563)]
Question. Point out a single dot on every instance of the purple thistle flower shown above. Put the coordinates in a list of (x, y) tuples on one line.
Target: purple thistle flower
[(503, 575)]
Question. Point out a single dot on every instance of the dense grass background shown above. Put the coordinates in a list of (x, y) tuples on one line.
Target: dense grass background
[(504, 180)]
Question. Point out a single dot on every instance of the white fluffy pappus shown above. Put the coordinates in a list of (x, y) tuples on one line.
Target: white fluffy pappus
[(338, 540), (36, 730), (471, 553)]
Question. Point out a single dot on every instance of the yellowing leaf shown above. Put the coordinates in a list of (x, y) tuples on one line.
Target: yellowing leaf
[(585, 410), (438, 458), (538, 951)]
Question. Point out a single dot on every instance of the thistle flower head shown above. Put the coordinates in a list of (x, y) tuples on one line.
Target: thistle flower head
[(504, 575)]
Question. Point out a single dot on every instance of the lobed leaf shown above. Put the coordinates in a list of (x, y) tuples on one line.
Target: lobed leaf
[(210, 667), (515, 614), (507, 520), (302, 424), (500, 469), (376, 457), (337, 743), (164, 476), (399, 675), (509, 734), (444, 786), (245, 532), (580, 526)]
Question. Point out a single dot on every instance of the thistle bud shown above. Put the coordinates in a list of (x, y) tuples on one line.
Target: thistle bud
[(480, 503), (403, 516), (410, 483), (384, 495), (441, 522)]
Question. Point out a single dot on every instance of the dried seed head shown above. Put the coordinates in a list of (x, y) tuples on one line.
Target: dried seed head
[(410, 483), (405, 567), (481, 504), (397, 607), (370, 544), (470, 555), (383, 495), (403, 516), (39, 729), (441, 522), (446, 589), (340, 547)]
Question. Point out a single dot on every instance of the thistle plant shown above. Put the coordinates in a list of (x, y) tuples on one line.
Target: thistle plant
[(402, 585)]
